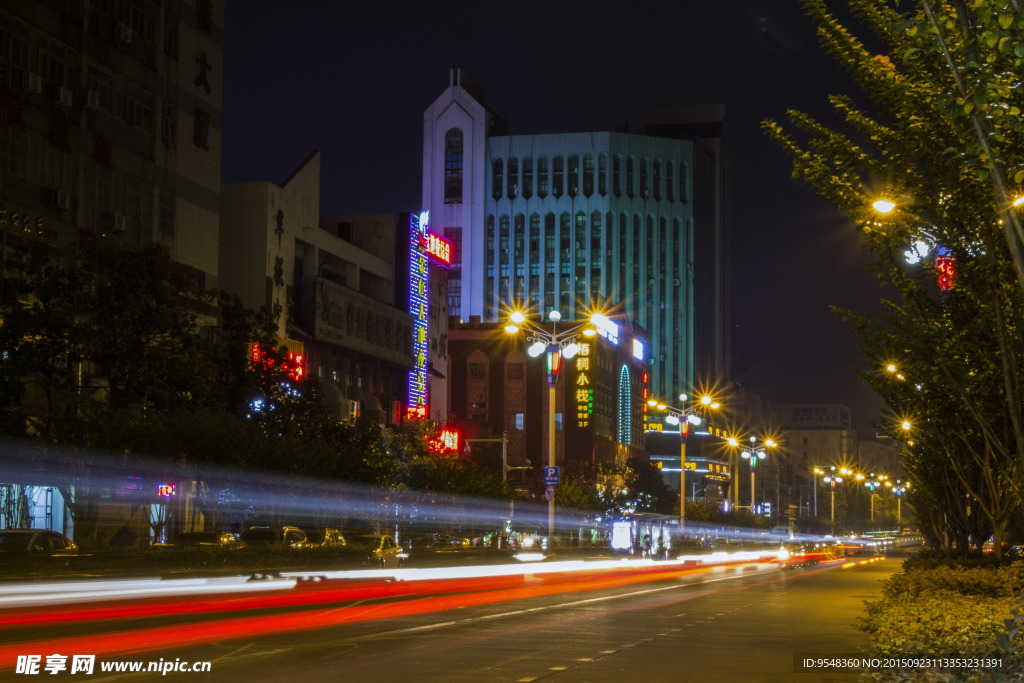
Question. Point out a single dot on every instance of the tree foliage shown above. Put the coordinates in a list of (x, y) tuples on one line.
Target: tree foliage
[(943, 140)]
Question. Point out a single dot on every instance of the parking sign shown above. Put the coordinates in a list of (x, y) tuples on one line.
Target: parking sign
[(551, 476)]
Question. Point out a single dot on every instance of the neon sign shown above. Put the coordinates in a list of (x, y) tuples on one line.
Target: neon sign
[(438, 249), (165, 490), (946, 267), (293, 364), (447, 441), (584, 390), (418, 270)]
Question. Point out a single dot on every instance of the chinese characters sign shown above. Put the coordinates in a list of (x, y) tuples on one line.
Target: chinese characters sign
[(584, 390)]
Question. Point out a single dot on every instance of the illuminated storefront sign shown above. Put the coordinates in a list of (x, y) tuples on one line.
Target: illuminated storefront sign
[(638, 349), (605, 327), (418, 271), (293, 364), (584, 390), (446, 442), (438, 249)]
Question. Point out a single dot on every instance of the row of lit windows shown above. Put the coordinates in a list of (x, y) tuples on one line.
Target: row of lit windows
[(574, 175)]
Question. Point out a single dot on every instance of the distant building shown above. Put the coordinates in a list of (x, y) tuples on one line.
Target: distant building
[(497, 389), (110, 119), (631, 220), (332, 285)]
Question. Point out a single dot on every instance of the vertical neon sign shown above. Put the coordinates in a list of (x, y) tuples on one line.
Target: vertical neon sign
[(417, 408)]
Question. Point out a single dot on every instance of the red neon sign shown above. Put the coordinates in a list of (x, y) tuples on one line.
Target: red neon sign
[(946, 265), (448, 440), (438, 248), (293, 364)]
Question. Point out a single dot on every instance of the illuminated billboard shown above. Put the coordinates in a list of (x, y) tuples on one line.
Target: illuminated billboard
[(418, 308)]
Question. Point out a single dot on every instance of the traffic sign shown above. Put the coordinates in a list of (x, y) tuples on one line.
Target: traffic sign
[(551, 476)]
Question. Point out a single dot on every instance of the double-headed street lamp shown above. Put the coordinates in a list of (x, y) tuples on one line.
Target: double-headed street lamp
[(899, 488), (753, 451), (872, 482), (684, 417), (554, 345), (833, 478)]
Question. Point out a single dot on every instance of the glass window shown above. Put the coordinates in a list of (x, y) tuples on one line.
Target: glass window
[(645, 189), (617, 175), (630, 177), (557, 176), (588, 175), (513, 178), (669, 180), (574, 175), (602, 174), (542, 177), (498, 178), (684, 194), (453, 166), (657, 179), (527, 177)]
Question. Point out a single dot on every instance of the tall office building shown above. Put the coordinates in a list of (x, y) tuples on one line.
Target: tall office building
[(110, 125), (629, 222)]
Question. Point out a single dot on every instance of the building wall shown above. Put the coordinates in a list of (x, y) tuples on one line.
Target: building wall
[(330, 284), (632, 249), (99, 132)]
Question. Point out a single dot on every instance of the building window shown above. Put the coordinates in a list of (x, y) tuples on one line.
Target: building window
[(588, 175), (574, 175), (558, 176), (617, 175), (684, 194), (657, 179), (516, 371), (527, 177), (669, 180), (542, 177), (497, 178), (453, 166), (518, 421), (513, 178), (645, 189), (602, 174), (478, 370), (630, 177)]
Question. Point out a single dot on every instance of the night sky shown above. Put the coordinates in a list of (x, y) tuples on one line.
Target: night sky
[(352, 79)]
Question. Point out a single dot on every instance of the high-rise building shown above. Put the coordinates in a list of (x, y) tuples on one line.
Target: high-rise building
[(110, 125), (629, 222)]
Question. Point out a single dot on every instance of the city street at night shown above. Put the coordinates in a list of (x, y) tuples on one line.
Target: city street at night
[(735, 621)]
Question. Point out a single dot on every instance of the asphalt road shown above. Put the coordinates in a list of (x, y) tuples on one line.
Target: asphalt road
[(728, 624)]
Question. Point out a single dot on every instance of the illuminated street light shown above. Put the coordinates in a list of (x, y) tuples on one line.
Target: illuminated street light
[(754, 453), (884, 205), (684, 417), (555, 345), (833, 479)]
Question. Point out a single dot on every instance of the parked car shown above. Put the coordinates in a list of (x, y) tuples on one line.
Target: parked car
[(275, 536), (202, 540), (22, 544), (379, 550), (325, 537)]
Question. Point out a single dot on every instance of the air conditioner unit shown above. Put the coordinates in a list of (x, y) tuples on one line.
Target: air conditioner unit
[(120, 223), (123, 33), (61, 200), (33, 83), (92, 100), (64, 97)]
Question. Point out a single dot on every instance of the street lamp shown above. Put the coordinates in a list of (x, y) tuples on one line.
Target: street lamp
[(833, 479), (873, 482), (554, 345), (899, 488), (684, 417), (753, 453)]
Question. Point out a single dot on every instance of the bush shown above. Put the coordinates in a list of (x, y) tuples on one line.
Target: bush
[(997, 582)]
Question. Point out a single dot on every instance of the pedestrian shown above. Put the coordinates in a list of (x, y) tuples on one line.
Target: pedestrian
[(646, 544)]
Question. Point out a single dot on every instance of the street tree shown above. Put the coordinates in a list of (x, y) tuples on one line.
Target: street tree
[(941, 148)]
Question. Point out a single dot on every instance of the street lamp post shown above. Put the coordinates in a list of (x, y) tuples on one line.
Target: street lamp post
[(555, 345), (873, 482), (754, 453), (833, 479), (899, 488), (684, 417)]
